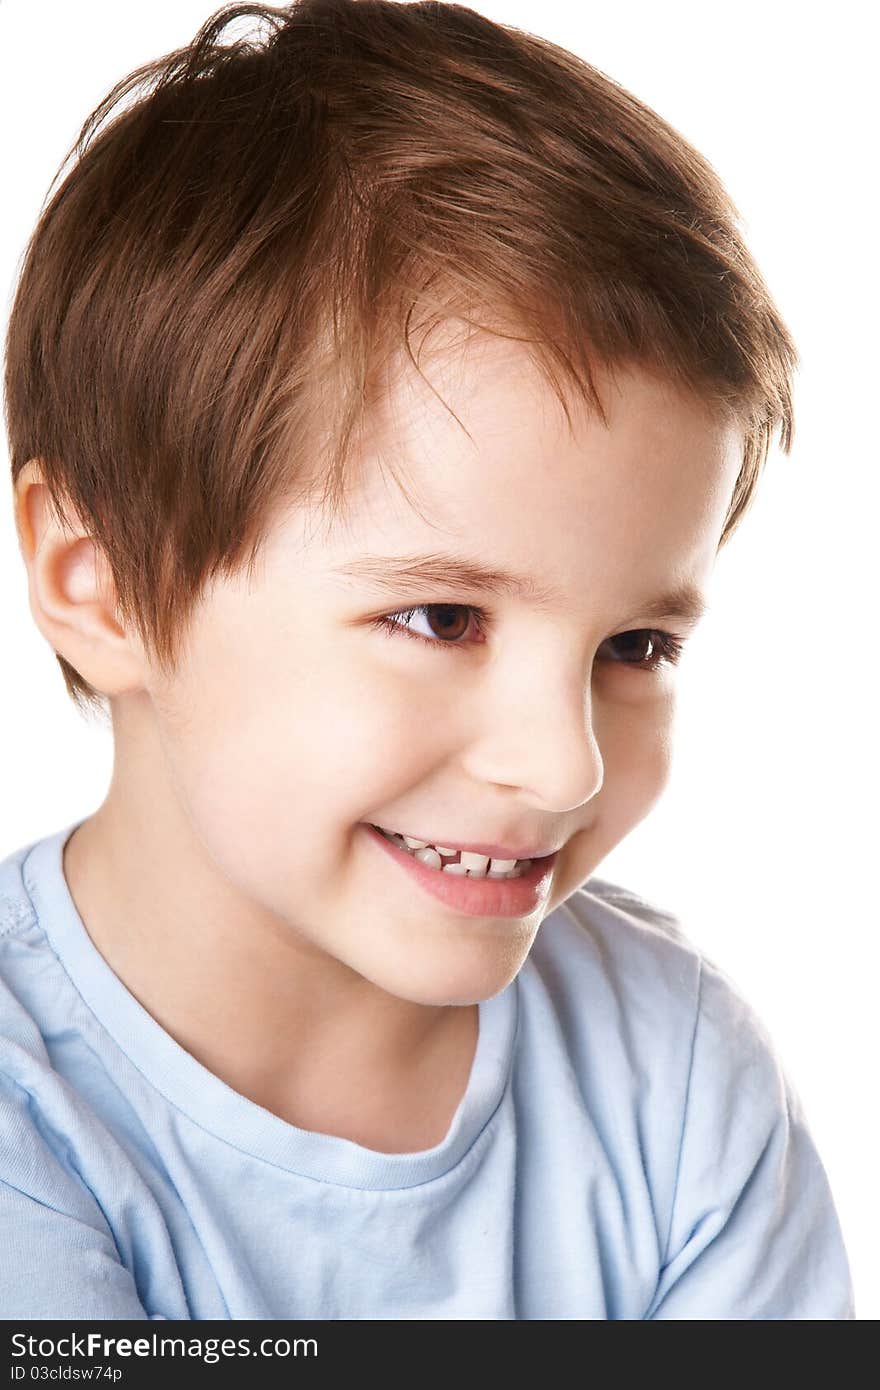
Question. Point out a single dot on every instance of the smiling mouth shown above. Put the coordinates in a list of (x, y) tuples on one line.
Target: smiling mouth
[(459, 862)]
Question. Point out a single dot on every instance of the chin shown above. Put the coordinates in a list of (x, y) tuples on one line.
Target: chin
[(456, 982)]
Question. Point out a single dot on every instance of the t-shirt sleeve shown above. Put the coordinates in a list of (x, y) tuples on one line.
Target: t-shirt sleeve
[(753, 1231), (59, 1258)]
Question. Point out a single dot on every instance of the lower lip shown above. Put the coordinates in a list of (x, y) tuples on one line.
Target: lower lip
[(477, 897)]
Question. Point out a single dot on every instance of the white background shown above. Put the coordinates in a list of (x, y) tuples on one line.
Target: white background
[(765, 839)]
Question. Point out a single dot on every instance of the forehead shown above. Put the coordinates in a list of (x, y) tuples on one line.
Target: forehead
[(475, 458)]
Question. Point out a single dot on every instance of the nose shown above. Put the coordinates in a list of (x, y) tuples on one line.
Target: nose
[(539, 738)]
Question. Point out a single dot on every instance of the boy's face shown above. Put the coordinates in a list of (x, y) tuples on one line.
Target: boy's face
[(294, 721)]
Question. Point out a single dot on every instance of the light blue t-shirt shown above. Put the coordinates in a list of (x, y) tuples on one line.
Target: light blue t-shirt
[(628, 1146)]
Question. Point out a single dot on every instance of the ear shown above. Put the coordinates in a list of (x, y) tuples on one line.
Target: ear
[(71, 591)]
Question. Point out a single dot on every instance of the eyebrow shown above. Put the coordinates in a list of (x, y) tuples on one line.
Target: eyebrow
[(458, 574)]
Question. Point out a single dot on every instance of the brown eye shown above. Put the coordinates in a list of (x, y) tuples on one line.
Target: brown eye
[(448, 621), (643, 649), (646, 649)]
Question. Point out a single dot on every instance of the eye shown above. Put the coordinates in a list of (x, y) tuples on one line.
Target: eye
[(441, 615), (665, 648)]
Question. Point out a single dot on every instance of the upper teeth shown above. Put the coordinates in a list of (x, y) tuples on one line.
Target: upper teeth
[(470, 863)]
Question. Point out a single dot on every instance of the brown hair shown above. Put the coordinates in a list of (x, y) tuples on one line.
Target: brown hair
[(208, 298)]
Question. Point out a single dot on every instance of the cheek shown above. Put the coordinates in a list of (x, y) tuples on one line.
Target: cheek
[(637, 749), (636, 746), (294, 759)]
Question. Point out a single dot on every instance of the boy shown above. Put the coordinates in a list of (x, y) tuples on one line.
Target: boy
[(324, 1012)]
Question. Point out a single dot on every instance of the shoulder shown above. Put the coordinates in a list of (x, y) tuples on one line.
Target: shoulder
[(28, 973), (38, 1000), (606, 953), (45, 1126), (627, 974), (25, 967), (61, 1173), (16, 909)]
